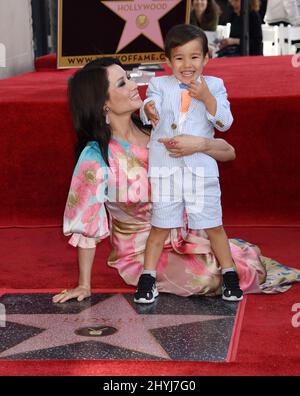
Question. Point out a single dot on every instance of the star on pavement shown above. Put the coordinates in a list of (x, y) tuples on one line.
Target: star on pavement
[(141, 18), (115, 311)]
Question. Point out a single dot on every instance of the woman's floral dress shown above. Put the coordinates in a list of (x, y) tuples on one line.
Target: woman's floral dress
[(115, 201)]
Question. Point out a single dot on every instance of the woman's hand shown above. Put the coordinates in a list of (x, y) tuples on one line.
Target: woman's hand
[(83, 290), (80, 292), (182, 145), (229, 41)]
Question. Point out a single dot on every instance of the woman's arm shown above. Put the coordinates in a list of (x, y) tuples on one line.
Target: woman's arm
[(183, 145), (220, 150), (83, 290), (85, 217), (229, 41)]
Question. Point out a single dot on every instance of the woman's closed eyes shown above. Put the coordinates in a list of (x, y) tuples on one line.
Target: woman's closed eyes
[(121, 82)]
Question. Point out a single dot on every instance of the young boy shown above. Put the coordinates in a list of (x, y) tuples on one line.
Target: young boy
[(187, 103)]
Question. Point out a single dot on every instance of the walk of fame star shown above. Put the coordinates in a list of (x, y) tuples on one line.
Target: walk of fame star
[(113, 319), (141, 17)]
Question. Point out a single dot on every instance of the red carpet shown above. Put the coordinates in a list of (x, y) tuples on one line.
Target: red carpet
[(267, 337), (42, 258), (260, 187)]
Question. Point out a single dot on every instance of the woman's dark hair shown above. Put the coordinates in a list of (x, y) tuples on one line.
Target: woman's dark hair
[(210, 17), (88, 92), (182, 34)]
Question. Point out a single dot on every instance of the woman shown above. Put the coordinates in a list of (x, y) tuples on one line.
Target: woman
[(232, 46), (205, 14), (111, 174), (280, 12)]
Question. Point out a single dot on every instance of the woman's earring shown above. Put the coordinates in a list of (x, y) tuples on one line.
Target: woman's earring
[(106, 115)]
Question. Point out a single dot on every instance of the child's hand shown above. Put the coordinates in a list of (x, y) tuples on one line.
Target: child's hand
[(151, 113), (199, 90)]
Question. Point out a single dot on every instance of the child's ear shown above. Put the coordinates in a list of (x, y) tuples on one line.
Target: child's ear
[(168, 62), (206, 59)]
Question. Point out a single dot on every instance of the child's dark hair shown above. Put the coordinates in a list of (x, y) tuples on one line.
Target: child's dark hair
[(182, 34)]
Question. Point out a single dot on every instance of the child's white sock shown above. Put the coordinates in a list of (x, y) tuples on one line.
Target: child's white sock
[(224, 270), (150, 272)]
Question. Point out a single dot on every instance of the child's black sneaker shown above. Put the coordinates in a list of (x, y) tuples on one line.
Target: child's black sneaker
[(231, 290), (146, 290)]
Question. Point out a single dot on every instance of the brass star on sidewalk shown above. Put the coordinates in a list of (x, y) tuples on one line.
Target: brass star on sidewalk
[(132, 328)]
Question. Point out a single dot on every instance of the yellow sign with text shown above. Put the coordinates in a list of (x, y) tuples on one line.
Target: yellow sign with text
[(132, 31)]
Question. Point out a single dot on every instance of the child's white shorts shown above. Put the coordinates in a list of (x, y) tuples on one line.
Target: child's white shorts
[(198, 196)]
